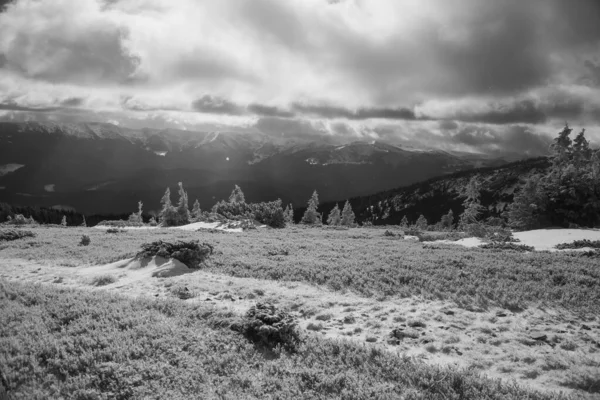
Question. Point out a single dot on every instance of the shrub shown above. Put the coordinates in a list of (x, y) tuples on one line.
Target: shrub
[(506, 246), (85, 240), (579, 244), (103, 280), (190, 253), (389, 233), (19, 219), (265, 324), (115, 230), (120, 224), (13, 234), (182, 292), (269, 213)]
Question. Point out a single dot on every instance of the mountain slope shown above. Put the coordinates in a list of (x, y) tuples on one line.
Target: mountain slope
[(103, 168), (433, 198)]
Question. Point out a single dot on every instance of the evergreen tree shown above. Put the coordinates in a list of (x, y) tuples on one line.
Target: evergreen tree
[(196, 211), (562, 146), (311, 217), (289, 214), (137, 217), (447, 221), (404, 223), (334, 217), (581, 150), (523, 212), (471, 204), (183, 211), (84, 224), (168, 214), (237, 196), (421, 223), (348, 215), (64, 221)]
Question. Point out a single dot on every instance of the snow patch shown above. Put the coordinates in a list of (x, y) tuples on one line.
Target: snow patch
[(8, 168), (49, 187), (161, 153)]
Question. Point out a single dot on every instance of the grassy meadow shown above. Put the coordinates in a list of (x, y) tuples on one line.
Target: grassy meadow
[(60, 342)]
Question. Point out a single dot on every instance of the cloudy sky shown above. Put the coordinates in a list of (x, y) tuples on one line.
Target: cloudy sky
[(473, 75)]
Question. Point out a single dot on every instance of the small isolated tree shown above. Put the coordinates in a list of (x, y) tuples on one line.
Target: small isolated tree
[(348, 218), (137, 217), (334, 217), (237, 196), (421, 223), (183, 211), (404, 222), (447, 221), (311, 216), (168, 214), (196, 211), (64, 221), (84, 224), (472, 204), (289, 214)]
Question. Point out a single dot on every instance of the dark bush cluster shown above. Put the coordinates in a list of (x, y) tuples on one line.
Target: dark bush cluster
[(265, 324), (115, 230), (579, 244), (85, 240), (19, 219), (120, 224), (14, 234), (191, 253), (506, 246), (268, 213)]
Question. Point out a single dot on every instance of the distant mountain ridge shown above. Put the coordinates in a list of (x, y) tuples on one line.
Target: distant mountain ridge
[(104, 168)]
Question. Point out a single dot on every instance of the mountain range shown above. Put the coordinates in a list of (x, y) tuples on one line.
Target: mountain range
[(105, 168)]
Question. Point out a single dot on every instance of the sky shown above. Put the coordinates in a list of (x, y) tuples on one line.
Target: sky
[(468, 75)]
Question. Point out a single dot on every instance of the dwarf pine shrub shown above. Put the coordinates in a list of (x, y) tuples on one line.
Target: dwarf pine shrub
[(85, 240), (265, 324), (14, 234), (191, 253)]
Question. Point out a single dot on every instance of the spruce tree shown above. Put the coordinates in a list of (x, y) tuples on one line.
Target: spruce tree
[(84, 224), (311, 217), (348, 215), (334, 217), (183, 211), (471, 204), (581, 150), (562, 146), (523, 212), (196, 211), (63, 222), (237, 196), (168, 213), (289, 215), (421, 223), (404, 222), (447, 221)]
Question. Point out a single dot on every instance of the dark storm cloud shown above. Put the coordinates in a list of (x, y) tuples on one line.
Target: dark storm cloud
[(448, 125), (269, 111), (216, 105), (361, 113), (72, 102)]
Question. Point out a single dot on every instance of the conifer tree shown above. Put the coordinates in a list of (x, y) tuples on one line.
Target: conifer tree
[(237, 196), (196, 211), (404, 222), (63, 222), (311, 217), (472, 205), (581, 149), (348, 215), (562, 146), (447, 221), (523, 212), (168, 214), (84, 224), (334, 217), (137, 217), (421, 223), (289, 214), (183, 211)]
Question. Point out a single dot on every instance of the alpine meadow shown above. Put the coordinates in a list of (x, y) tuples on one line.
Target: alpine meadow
[(299, 199)]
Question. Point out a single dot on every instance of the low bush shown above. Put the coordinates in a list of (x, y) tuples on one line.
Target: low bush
[(85, 240), (433, 236), (190, 253), (506, 246), (265, 324), (579, 244), (115, 230), (120, 224), (14, 234), (103, 280), (19, 219)]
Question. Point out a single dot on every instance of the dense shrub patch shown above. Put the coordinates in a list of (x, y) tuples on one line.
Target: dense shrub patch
[(265, 324), (190, 253), (120, 224), (579, 244), (506, 246), (14, 234)]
